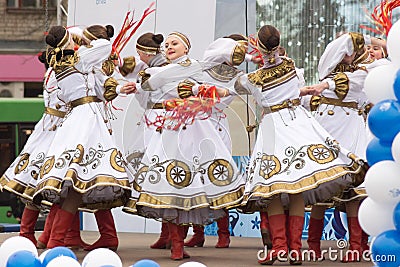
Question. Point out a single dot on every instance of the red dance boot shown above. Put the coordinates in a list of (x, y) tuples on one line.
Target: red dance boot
[(44, 237), (279, 250), (197, 239), (62, 221), (364, 241), (28, 222), (296, 224), (223, 232), (108, 233), (73, 236), (163, 241), (354, 252), (315, 228), (176, 235), (264, 228)]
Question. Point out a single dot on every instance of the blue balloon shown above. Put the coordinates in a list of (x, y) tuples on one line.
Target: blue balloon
[(378, 150), (146, 263), (396, 85), (57, 252), (384, 120), (23, 258), (386, 249), (396, 216)]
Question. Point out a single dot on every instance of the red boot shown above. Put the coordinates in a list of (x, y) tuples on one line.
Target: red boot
[(62, 221), (223, 232), (277, 225), (296, 224), (197, 239), (315, 228), (108, 233), (176, 235), (73, 236), (163, 241), (264, 228), (364, 241), (44, 237), (28, 222), (354, 252)]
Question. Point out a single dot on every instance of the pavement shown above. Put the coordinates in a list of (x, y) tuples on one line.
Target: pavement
[(241, 253)]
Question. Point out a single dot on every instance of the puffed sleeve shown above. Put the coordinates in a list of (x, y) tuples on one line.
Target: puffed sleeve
[(93, 55)]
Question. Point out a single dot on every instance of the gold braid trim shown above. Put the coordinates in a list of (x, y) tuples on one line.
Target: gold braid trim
[(238, 55), (272, 77), (108, 67), (110, 89), (344, 68), (65, 62), (341, 85), (185, 89), (128, 66)]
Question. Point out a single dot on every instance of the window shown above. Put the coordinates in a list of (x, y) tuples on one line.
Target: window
[(31, 3)]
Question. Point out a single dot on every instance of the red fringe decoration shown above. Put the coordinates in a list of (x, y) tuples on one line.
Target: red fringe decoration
[(382, 16), (254, 49), (182, 112), (123, 37)]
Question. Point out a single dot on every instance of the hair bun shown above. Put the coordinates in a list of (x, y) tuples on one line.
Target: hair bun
[(158, 38), (110, 31), (51, 40)]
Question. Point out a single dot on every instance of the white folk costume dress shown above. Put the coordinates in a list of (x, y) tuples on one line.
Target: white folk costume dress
[(339, 109), (136, 145), (219, 54), (83, 154), (21, 177), (186, 175), (293, 153)]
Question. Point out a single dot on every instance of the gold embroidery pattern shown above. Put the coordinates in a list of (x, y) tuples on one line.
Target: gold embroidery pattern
[(37, 163), (185, 89), (79, 154), (46, 167), (271, 165), (185, 63), (108, 67), (238, 55), (128, 66), (116, 160), (22, 163), (178, 174), (268, 78), (134, 159), (341, 85), (220, 172), (223, 72), (110, 89), (65, 63)]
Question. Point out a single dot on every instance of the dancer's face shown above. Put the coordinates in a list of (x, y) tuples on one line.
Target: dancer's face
[(174, 48)]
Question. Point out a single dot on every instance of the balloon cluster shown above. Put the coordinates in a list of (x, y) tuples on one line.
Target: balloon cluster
[(379, 214)]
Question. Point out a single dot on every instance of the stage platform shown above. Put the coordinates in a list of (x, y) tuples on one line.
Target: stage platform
[(242, 253)]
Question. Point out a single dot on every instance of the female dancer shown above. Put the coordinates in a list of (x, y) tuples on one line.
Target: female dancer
[(21, 176), (187, 175), (294, 157), (337, 107), (83, 167)]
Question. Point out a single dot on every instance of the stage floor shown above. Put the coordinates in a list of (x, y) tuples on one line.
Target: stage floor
[(243, 251)]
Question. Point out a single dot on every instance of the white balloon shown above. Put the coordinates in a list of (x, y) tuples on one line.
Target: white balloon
[(100, 257), (41, 257), (393, 43), (375, 218), (396, 148), (14, 244), (379, 83), (63, 261), (382, 182), (192, 264)]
